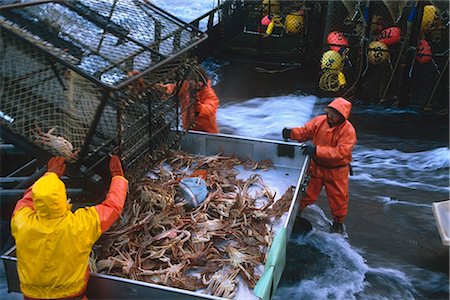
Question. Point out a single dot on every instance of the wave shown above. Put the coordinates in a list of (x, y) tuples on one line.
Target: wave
[(391, 201), (266, 117), (186, 10), (400, 169), (342, 278), (345, 274), (430, 160)]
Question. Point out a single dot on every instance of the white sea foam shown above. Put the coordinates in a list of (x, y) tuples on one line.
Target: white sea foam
[(347, 274), (391, 201), (187, 10), (342, 279), (423, 170), (429, 160), (266, 117)]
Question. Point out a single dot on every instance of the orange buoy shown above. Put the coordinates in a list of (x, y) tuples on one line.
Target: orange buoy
[(390, 36), (336, 40), (424, 54)]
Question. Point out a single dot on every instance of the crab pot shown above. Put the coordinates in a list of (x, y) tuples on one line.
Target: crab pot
[(77, 78)]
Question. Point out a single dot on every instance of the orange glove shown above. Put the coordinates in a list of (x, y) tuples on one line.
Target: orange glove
[(57, 165), (115, 166)]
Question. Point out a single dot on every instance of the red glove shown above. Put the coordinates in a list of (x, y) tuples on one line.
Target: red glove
[(57, 165), (115, 166)]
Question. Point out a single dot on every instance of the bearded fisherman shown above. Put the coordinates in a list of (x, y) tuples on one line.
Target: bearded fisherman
[(329, 140), (53, 243)]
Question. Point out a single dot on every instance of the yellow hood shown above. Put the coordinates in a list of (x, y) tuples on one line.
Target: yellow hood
[(49, 196)]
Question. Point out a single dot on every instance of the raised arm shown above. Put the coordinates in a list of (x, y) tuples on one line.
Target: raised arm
[(111, 208)]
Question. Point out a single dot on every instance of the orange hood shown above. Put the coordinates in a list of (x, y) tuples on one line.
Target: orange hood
[(342, 106)]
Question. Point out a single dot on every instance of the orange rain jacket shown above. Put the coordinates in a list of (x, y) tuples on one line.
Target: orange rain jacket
[(330, 164), (53, 244), (206, 106)]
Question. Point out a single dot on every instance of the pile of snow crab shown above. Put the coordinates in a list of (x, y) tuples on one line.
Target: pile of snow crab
[(208, 248)]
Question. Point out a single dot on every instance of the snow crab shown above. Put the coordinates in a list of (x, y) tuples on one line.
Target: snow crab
[(56, 143)]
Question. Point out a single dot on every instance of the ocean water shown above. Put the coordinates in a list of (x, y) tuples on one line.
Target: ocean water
[(394, 249)]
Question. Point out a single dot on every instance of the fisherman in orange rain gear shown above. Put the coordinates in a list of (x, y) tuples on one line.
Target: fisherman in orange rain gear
[(202, 114), (53, 243), (330, 141)]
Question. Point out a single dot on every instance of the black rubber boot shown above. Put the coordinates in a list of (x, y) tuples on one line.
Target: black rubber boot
[(337, 227)]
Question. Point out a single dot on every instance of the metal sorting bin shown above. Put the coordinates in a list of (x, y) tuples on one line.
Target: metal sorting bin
[(287, 159)]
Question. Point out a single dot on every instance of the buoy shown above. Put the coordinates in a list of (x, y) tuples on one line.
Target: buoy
[(275, 22), (424, 54), (390, 36), (341, 79), (332, 81), (294, 22), (270, 6), (336, 40), (428, 17), (265, 20), (331, 60), (377, 52)]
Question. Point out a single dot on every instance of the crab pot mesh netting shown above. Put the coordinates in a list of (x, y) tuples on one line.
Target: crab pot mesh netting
[(377, 41), (72, 77)]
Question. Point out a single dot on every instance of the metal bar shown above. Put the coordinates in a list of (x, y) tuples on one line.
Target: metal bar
[(428, 104), (24, 167), (156, 66), (25, 4), (104, 31), (9, 149), (92, 129), (99, 20), (119, 126), (24, 145), (21, 25), (27, 183), (94, 166), (118, 32), (63, 62), (402, 49)]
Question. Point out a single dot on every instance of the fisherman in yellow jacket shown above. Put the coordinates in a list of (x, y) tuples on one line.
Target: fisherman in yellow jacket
[(53, 243)]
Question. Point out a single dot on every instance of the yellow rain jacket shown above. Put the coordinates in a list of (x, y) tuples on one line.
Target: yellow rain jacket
[(53, 244)]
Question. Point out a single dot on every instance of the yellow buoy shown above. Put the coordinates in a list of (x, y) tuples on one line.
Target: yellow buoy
[(332, 81), (377, 52), (429, 16), (270, 6), (331, 60), (275, 22), (341, 79), (294, 22)]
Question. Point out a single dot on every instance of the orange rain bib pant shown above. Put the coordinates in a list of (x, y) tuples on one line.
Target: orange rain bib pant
[(206, 106), (330, 165)]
